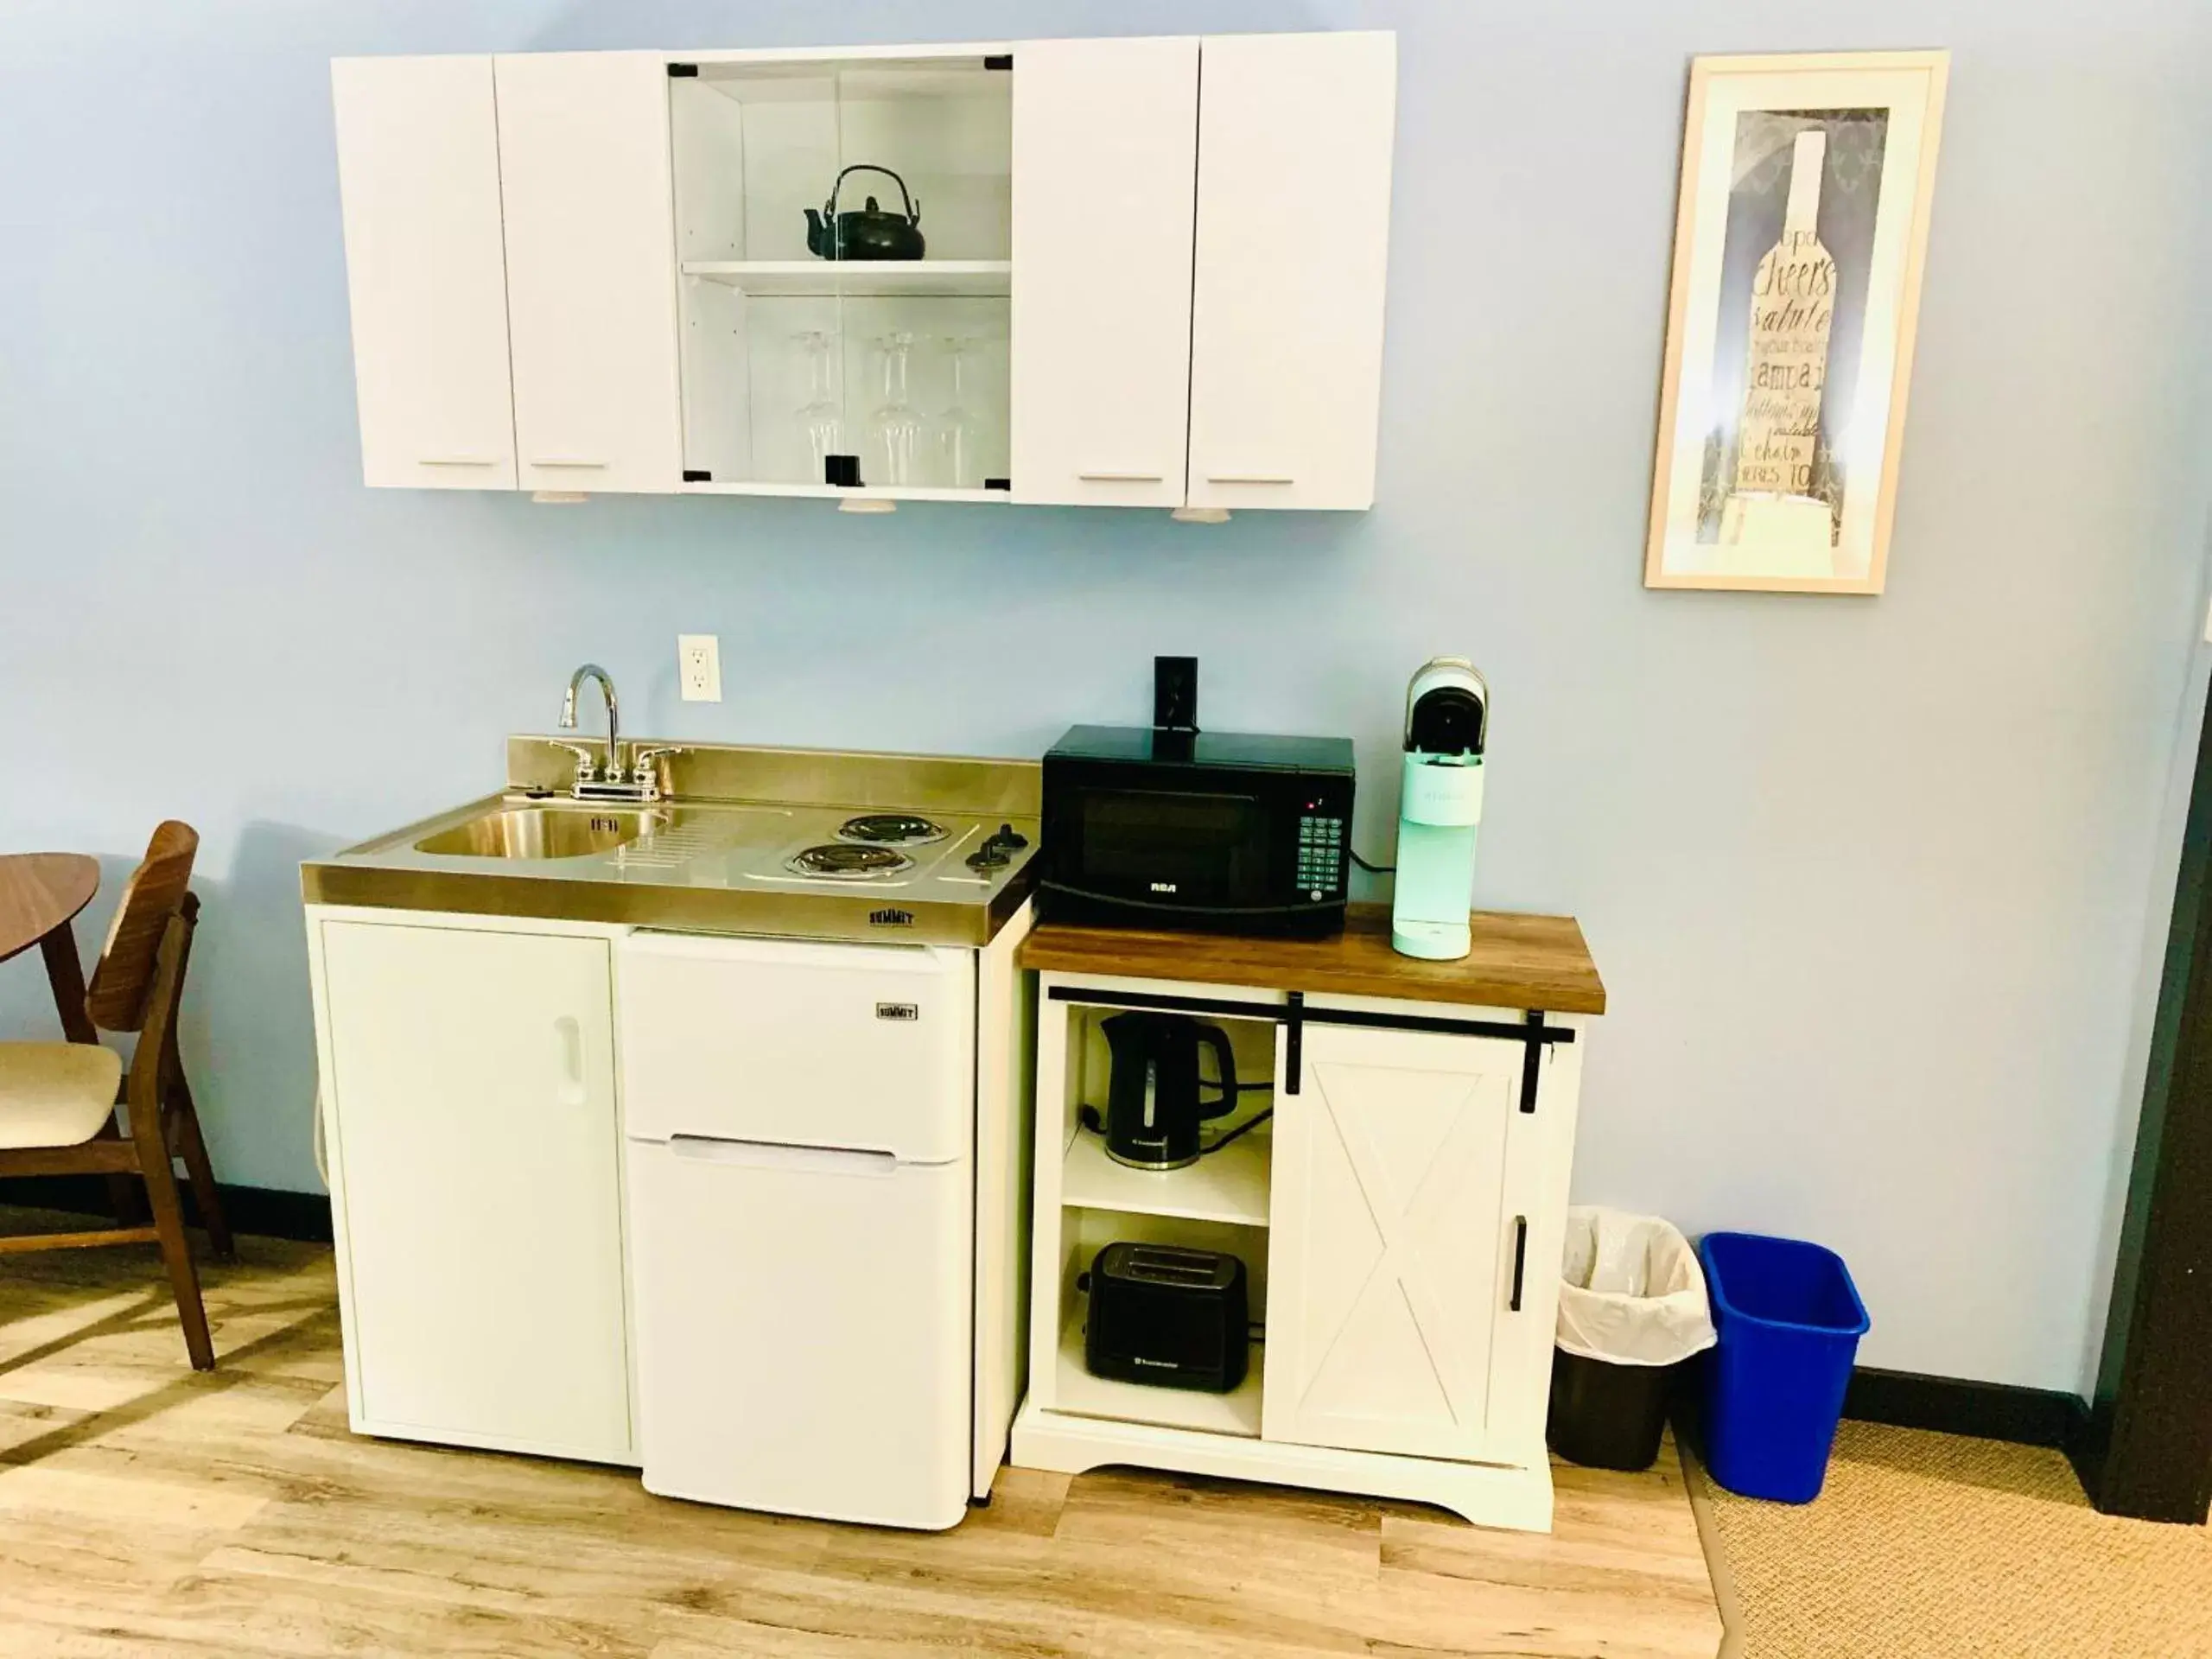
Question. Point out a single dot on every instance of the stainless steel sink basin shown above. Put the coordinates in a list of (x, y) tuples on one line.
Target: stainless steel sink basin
[(543, 832)]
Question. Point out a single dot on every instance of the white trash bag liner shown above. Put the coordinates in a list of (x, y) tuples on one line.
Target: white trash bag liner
[(1631, 1291)]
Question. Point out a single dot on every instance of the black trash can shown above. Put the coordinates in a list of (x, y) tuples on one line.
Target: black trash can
[(1632, 1307), (1607, 1416)]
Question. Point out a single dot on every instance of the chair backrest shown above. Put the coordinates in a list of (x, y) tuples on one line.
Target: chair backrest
[(153, 1064), (115, 1001)]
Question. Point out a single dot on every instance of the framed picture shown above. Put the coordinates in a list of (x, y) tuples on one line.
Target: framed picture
[(1798, 245)]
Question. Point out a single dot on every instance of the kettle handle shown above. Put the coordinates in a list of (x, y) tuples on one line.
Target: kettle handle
[(1217, 1040), (913, 209)]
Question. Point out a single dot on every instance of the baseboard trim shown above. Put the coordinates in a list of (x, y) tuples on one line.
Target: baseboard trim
[(1950, 1405), (267, 1211)]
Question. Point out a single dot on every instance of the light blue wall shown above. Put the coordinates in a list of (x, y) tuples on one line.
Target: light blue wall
[(1868, 880)]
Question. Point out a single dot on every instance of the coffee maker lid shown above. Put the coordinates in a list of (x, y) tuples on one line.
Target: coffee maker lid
[(1448, 708)]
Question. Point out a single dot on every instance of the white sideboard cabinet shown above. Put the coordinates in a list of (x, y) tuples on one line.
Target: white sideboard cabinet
[(1398, 1202), (1152, 274)]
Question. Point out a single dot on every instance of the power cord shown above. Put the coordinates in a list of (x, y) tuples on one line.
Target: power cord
[(1372, 869)]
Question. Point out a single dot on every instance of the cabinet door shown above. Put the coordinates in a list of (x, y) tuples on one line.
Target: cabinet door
[(591, 268), (418, 178), (1391, 1244), (1105, 148), (1294, 137), (472, 1082)]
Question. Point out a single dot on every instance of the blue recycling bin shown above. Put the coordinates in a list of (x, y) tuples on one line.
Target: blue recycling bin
[(1790, 1320)]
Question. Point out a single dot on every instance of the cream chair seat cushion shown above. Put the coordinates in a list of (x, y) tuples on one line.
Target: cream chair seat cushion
[(55, 1094)]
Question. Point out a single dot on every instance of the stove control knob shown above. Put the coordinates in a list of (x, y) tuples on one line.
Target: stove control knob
[(988, 857), (1011, 837)]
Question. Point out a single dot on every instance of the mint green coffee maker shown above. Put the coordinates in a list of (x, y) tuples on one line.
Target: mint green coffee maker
[(1440, 808)]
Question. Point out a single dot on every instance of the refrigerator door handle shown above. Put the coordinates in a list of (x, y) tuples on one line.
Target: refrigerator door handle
[(769, 1154)]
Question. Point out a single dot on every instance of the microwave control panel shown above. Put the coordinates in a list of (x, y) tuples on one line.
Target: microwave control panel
[(1320, 855)]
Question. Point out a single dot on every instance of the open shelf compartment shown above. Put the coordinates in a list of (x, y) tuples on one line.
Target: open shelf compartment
[(787, 356), (1085, 1233)]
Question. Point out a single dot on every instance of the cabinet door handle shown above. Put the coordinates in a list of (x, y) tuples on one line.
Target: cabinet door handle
[(563, 460), (459, 461), (568, 1032), (1249, 478), (1123, 477), (1520, 1261)]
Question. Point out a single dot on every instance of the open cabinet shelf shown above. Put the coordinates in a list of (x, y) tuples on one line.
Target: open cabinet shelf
[(877, 278), (1076, 1390), (1229, 1186), (789, 360)]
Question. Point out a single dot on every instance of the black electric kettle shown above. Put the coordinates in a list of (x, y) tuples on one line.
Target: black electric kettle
[(866, 232), (1154, 1095)]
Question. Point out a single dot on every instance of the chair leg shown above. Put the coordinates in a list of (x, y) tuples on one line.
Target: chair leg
[(177, 1256), (193, 1148), (125, 1194)]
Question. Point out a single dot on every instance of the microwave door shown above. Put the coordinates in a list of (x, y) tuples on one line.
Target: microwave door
[(1207, 850)]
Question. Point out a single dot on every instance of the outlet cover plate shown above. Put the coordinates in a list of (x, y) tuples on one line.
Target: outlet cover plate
[(699, 667)]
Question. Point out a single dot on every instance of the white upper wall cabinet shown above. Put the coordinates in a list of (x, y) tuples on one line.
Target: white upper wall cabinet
[(591, 291), (1105, 149), (1141, 272), (1294, 141), (418, 170)]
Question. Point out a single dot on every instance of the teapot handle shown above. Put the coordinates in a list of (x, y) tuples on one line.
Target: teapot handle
[(913, 211)]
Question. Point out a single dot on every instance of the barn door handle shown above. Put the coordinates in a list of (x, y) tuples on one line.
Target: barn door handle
[(1520, 1261)]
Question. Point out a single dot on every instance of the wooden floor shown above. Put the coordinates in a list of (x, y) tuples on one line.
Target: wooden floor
[(146, 1510)]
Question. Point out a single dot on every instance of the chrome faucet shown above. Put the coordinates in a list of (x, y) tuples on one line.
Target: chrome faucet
[(613, 774), (642, 785)]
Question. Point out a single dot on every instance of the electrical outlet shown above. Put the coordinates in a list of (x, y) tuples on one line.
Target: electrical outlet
[(699, 667)]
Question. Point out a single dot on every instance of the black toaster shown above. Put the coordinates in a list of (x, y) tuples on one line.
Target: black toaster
[(1163, 1314)]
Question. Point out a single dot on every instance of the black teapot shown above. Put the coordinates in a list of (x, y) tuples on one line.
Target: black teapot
[(866, 232)]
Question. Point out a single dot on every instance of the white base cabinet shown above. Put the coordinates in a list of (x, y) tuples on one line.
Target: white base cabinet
[(1400, 1217), (467, 1070)]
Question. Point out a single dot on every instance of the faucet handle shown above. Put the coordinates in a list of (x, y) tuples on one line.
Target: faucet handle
[(645, 762), (587, 758)]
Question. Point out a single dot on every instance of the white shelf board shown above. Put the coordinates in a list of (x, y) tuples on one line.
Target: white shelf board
[(1230, 1185), (817, 278), (1077, 1392)]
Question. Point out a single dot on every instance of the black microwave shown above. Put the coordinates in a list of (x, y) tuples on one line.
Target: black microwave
[(1226, 831)]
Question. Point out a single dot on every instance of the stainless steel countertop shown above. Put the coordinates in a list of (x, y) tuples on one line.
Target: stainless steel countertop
[(707, 861)]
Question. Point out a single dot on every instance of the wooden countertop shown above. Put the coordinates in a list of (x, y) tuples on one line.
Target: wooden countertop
[(1518, 961)]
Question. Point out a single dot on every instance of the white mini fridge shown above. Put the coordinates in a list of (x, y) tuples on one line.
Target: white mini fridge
[(800, 1123)]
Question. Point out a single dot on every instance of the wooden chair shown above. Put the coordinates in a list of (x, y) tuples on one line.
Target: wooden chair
[(58, 1100)]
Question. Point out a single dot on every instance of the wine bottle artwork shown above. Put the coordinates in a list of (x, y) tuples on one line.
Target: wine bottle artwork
[(1773, 504)]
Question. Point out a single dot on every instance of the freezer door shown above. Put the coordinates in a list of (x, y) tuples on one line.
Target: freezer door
[(864, 1046), (802, 1323)]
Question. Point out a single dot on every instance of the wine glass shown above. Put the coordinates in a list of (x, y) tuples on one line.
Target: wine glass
[(896, 429), (822, 414), (959, 431)]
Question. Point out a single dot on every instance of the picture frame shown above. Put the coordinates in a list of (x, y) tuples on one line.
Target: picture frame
[(1799, 235)]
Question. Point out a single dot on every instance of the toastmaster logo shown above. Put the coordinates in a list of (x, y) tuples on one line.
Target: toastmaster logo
[(891, 916)]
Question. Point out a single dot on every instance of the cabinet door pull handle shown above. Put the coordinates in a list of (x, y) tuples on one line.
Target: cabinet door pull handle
[(459, 461), (563, 460), (1123, 477), (1249, 478), (570, 1034), (1520, 1261)]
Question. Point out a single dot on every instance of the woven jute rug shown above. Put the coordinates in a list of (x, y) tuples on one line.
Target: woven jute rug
[(1939, 1546)]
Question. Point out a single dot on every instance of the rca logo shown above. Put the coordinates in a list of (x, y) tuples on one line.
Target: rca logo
[(1163, 887)]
